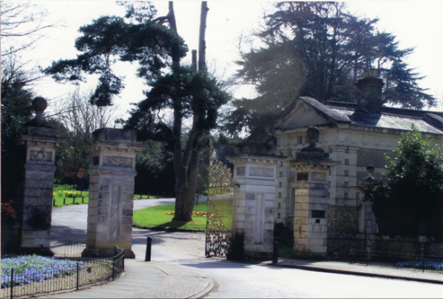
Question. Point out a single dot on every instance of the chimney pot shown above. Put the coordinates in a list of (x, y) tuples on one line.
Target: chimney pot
[(370, 87)]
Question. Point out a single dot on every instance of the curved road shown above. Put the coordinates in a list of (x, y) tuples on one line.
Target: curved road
[(242, 280)]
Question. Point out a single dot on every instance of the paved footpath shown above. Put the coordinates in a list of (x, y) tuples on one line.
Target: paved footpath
[(360, 269), (148, 280)]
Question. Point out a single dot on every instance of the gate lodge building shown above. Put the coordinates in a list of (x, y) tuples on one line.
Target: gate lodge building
[(355, 135)]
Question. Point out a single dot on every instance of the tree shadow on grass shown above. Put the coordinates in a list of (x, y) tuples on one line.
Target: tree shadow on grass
[(173, 226)]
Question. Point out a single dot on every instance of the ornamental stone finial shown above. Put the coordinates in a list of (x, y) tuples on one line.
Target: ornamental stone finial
[(311, 152), (370, 170), (313, 133), (39, 104)]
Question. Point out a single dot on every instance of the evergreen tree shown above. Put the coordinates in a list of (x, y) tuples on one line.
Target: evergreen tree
[(186, 92), (16, 111), (412, 193), (317, 49)]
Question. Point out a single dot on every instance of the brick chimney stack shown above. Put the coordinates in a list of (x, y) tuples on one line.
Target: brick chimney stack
[(370, 91)]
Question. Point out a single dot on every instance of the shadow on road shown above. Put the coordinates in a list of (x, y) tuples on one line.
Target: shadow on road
[(62, 233), (218, 264)]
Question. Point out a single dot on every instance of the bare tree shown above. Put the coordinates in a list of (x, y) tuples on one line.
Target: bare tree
[(79, 116), (75, 119), (22, 24)]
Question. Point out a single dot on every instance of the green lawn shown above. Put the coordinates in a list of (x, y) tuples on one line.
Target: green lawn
[(156, 218), (67, 195), (145, 196)]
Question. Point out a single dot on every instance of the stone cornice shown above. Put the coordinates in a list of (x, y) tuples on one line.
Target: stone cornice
[(30, 140), (119, 147), (311, 164), (251, 158)]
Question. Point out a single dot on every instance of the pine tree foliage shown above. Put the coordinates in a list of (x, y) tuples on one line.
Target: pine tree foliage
[(176, 93), (320, 50)]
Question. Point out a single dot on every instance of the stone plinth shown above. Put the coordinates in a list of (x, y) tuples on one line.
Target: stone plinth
[(36, 189), (111, 192), (311, 206), (255, 202)]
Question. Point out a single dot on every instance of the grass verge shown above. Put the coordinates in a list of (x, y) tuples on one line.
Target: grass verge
[(156, 218)]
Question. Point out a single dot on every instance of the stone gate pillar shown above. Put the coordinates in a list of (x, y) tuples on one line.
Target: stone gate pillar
[(40, 140), (255, 202), (367, 218), (312, 167), (111, 192)]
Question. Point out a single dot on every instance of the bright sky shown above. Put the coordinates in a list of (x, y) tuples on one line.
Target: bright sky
[(416, 24)]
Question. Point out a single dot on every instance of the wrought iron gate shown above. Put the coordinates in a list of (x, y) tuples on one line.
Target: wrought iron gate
[(221, 200)]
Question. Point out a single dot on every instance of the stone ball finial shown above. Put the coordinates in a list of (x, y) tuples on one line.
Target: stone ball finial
[(39, 104), (370, 169)]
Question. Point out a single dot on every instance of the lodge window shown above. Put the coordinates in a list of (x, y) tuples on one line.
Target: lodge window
[(318, 214)]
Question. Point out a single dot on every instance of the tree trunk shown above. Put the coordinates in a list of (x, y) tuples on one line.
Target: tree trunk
[(173, 25), (186, 161), (185, 190), (202, 42)]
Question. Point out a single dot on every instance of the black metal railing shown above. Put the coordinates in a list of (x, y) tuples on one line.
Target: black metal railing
[(397, 259), (65, 274)]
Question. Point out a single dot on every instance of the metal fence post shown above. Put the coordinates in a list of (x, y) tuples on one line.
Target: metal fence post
[(148, 249), (78, 274), (12, 281)]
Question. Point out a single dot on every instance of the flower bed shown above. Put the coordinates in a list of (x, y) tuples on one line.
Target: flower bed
[(195, 213), (33, 268), (430, 265)]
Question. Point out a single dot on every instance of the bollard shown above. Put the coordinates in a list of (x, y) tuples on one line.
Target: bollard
[(148, 250), (275, 253)]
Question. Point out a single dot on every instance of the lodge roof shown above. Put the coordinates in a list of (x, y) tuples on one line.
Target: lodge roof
[(334, 113)]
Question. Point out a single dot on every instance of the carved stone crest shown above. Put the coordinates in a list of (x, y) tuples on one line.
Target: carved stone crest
[(319, 176), (117, 161), (261, 171), (41, 156)]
